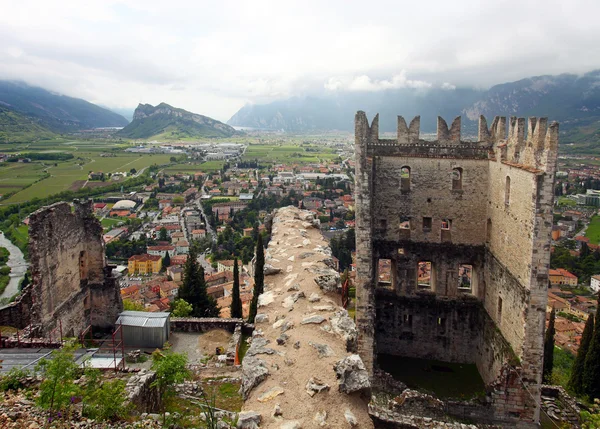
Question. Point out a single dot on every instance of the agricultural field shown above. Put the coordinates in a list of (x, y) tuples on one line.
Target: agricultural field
[(274, 153), (593, 230), (64, 175)]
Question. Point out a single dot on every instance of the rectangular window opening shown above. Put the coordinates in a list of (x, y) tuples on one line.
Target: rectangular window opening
[(401, 251), (446, 223), (427, 222), (384, 273), (407, 320), (465, 278), (404, 222), (424, 275)]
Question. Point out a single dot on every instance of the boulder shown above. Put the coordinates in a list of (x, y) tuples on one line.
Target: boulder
[(314, 386), (248, 420), (261, 318), (327, 278), (323, 350), (350, 418), (352, 375), (344, 326), (314, 319), (273, 392), (254, 372), (270, 270)]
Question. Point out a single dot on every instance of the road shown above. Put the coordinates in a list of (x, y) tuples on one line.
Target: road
[(18, 265), (209, 229)]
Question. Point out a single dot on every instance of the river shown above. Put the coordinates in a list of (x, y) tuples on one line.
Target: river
[(16, 261)]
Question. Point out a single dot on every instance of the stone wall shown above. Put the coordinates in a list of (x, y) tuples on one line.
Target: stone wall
[(71, 285), (141, 394), (487, 204), (203, 324)]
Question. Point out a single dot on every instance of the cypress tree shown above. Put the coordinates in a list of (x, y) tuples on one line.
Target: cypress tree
[(259, 278), (591, 370), (193, 289), (190, 272), (259, 269), (549, 349), (236, 302), (166, 260), (576, 380)]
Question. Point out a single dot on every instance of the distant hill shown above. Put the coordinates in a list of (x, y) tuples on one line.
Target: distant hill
[(165, 122), (54, 111), (572, 100), (15, 128)]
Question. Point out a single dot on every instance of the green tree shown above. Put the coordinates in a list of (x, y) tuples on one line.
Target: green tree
[(129, 305), (181, 308), (591, 370), (166, 260), (171, 369), (103, 400), (193, 289), (549, 349), (59, 374), (576, 380), (236, 302), (259, 278), (162, 234)]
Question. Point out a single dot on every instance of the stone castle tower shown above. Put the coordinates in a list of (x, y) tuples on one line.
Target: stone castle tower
[(465, 229)]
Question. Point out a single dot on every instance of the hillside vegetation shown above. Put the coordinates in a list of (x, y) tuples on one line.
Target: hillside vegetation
[(17, 128), (165, 122), (57, 112)]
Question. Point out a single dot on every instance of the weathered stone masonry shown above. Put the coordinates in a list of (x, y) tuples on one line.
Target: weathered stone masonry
[(448, 202), (72, 286)]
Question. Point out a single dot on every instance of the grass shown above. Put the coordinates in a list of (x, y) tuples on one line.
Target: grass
[(21, 236), (446, 380), (109, 223), (564, 201), (274, 153), (593, 230)]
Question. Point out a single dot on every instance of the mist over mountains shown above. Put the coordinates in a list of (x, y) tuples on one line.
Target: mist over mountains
[(572, 100), (56, 112)]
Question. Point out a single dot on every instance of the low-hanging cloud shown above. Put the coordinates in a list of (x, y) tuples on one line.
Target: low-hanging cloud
[(214, 57), (365, 83)]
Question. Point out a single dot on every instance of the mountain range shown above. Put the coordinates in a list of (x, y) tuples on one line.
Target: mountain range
[(572, 100), (165, 122), (55, 112)]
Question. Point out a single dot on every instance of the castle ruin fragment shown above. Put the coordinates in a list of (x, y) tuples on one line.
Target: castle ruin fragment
[(465, 229), (72, 287)]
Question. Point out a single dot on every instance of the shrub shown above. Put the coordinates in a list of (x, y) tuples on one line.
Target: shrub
[(13, 379)]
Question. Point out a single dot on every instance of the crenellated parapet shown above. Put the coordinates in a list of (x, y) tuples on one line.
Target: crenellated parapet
[(531, 144)]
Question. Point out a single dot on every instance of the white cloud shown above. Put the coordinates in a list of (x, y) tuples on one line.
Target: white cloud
[(214, 57), (448, 86), (365, 83)]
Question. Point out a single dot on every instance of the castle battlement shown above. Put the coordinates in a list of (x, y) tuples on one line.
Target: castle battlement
[(532, 147)]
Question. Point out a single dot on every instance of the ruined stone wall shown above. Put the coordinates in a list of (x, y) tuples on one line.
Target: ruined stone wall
[(71, 285), (504, 235), (430, 195), (365, 135)]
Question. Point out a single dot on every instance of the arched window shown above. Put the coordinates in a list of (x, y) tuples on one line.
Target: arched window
[(457, 175), (507, 191), (405, 178)]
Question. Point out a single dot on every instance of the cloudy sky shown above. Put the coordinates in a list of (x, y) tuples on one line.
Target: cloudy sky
[(214, 57)]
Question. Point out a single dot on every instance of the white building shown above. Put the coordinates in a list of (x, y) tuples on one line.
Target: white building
[(595, 283)]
